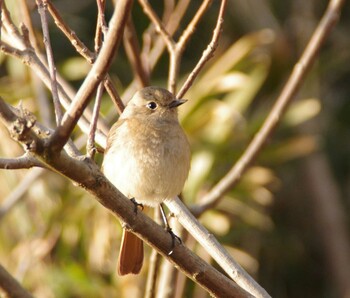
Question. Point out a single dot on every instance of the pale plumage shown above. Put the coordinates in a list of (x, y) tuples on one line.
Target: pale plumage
[(148, 155)]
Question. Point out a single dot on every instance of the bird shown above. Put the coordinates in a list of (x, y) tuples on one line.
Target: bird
[(147, 158)]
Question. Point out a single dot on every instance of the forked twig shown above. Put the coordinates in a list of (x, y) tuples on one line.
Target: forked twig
[(176, 49), (97, 73), (83, 50), (207, 54), (300, 70)]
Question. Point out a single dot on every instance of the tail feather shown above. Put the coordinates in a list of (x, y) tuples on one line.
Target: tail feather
[(131, 254)]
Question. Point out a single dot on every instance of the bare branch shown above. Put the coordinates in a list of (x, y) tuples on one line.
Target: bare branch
[(101, 27), (11, 286), (36, 61), (132, 50), (154, 263), (17, 194), (96, 74), (300, 70), (85, 52), (191, 28), (26, 161), (90, 147), (176, 49), (213, 247), (50, 60), (158, 23), (153, 54), (29, 57), (207, 54)]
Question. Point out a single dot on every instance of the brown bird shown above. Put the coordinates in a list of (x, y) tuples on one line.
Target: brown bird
[(147, 158)]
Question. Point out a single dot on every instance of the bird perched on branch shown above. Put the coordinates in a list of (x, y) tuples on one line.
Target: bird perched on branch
[(147, 158)]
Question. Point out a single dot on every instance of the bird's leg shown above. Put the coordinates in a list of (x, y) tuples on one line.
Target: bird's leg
[(136, 205), (169, 230)]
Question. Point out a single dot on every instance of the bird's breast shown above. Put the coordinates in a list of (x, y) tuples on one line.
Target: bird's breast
[(148, 163)]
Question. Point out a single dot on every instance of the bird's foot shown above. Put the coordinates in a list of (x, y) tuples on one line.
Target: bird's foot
[(136, 205)]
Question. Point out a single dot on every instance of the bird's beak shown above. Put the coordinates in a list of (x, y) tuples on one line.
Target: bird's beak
[(177, 102)]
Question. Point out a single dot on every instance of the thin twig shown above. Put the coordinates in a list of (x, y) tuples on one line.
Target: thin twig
[(26, 161), (18, 193), (132, 50), (300, 70), (153, 267), (175, 18), (98, 71), (37, 63), (85, 52), (101, 26), (37, 85), (90, 147), (50, 60), (207, 54), (191, 27), (101, 29), (176, 49), (1, 1), (29, 57)]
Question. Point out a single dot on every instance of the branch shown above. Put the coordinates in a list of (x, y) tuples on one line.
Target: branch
[(26, 161), (176, 49), (36, 62), (96, 74), (214, 248), (52, 68), (82, 49), (11, 287), (207, 54), (88, 176), (132, 50), (90, 147), (300, 70), (174, 19)]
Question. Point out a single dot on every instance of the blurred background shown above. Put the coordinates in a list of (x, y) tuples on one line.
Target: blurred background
[(286, 222)]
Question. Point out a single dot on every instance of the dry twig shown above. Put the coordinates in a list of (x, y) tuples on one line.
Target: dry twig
[(97, 73), (300, 70), (176, 49), (50, 60), (82, 49)]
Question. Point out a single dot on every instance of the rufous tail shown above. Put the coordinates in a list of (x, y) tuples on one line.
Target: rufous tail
[(131, 254)]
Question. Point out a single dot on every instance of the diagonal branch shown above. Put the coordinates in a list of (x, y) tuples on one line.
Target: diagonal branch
[(82, 49), (207, 54), (300, 70), (11, 286), (97, 73)]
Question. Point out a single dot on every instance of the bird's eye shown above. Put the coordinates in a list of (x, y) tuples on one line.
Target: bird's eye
[(152, 105)]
